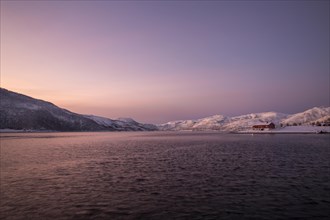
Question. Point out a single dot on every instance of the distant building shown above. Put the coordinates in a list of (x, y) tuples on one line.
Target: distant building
[(264, 126)]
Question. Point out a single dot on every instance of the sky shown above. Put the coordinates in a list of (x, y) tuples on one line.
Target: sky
[(157, 61)]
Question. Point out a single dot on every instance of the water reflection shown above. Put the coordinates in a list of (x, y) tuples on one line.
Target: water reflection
[(157, 175)]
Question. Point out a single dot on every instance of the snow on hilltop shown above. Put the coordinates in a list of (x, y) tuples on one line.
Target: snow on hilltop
[(223, 123), (209, 123), (245, 122), (320, 114), (20, 112)]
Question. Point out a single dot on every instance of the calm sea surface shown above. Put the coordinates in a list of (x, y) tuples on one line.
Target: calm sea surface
[(159, 175)]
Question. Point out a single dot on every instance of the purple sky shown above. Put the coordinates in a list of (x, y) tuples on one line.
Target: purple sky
[(162, 61)]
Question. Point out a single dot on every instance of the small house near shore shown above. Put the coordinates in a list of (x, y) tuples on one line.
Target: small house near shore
[(263, 126)]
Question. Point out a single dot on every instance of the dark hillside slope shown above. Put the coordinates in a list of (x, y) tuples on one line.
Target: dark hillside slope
[(20, 112)]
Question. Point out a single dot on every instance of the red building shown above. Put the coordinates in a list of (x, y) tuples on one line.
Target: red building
[(264, 126)]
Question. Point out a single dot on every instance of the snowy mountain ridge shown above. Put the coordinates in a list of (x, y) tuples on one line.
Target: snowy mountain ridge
[(21, 112), (315, 114), (245, 122)]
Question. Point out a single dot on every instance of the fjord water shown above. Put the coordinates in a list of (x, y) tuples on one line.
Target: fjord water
[(158, 175)]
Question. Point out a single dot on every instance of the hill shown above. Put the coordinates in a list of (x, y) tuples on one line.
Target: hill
[(316, 115), (21, 112)]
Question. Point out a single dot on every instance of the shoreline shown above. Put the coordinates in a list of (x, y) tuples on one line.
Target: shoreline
[(302, 129), (212, 131), (282, 132)]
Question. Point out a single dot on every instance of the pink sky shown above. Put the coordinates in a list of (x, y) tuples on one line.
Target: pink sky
[(161, 61)]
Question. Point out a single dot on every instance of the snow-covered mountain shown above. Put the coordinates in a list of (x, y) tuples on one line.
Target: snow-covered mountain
[(317, 114), (209, 123), (245, 122), (21, 112)]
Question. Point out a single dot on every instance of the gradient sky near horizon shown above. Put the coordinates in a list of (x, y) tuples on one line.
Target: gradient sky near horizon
[(157, 61)]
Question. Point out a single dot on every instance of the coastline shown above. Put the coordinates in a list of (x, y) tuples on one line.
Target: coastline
[(303, 129), (285, 130)]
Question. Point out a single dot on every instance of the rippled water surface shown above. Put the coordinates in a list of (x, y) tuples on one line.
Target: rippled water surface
[(158, 175)]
